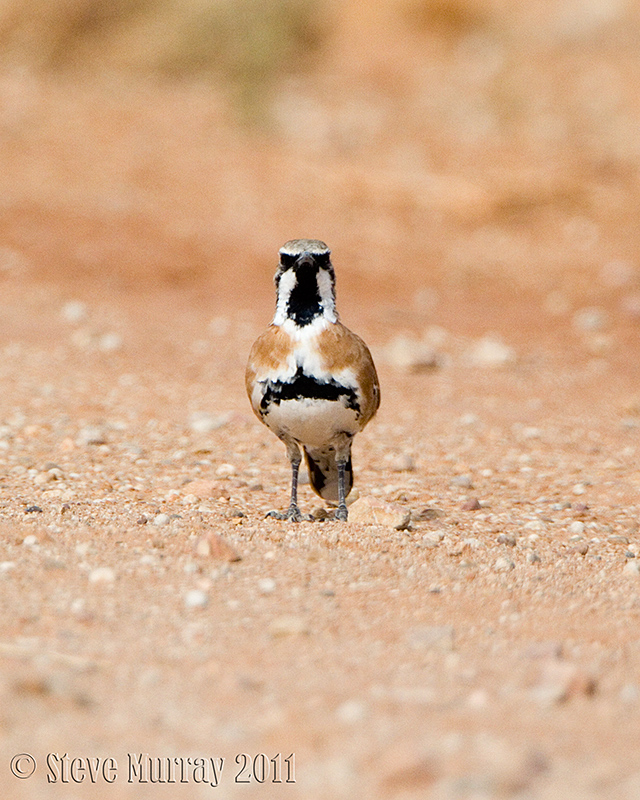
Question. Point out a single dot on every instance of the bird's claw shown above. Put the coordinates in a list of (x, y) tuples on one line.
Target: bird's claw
[(342, 514), (292, 514)]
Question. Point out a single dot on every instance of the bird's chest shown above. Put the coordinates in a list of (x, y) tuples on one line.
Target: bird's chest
[(308, 401), (311, 421)]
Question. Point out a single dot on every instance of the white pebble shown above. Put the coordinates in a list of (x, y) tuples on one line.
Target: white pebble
[(77, 606), (576, 527), (225, 471), (30, 540), (503, 564), (408, 353), (617, 273), (203, 422), (351, 711), (579, 488), (102, 575), (6, 566), (432, 637), (631, 568), (288, 626), (161, 519), (91, 434), (630, 693), (491, 351), (402, 463), (196, 598), (478, 699), (266, 585), (590, 319), (110, 342), (74, 311)]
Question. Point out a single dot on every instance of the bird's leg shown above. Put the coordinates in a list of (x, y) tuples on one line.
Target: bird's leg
[(292, 514), (341, 511)]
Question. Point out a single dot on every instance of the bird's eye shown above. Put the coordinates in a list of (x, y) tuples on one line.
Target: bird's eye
[(323, 259), (287, 260)]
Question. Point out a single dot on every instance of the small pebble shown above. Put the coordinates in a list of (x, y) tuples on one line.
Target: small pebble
[(503, 564), (561, 680), (412, 355), (91, 435), (74, 311), (631, 568), (202, 422), (226, 471), (426, 514), (590, 319), (582, 548), (402, 463), (161, 519), (110, 342), (30, 541), (507, 538), (371, 511), (266, 585), (472, 504), (616, 539), (617, 273), (630, 693), (432, 637), (533, 557), (351, 712), (33, 510), (216, 547), (491, 351), (288, 625), (102, 575), (576, 527), (196, 598), (462, 481)]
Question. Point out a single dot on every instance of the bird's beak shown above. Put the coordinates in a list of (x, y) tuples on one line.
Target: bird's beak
[(305, 259)]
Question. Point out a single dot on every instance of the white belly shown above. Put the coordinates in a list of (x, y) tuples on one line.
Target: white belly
[(311, 422)]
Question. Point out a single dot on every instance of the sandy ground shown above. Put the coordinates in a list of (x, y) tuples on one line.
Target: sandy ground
[(486, 649)]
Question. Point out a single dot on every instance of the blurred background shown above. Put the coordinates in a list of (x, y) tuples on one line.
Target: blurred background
[(437, 145), (473, 164)]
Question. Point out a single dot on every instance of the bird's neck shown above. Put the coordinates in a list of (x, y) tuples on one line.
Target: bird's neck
[(305, 296)]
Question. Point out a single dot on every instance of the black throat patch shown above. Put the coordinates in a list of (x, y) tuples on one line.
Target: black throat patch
[(304, 301)]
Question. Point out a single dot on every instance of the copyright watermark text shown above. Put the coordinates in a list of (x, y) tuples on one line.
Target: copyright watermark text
[(144, 768)]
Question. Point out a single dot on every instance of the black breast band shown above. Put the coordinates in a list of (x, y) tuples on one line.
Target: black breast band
[(302, 386)]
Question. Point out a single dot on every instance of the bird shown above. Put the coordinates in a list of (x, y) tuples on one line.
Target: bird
[(310, 379)]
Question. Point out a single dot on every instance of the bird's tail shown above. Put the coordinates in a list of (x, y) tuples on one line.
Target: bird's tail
[(323, 474)]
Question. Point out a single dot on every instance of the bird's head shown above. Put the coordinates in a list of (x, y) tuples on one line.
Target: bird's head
[(305, 282)]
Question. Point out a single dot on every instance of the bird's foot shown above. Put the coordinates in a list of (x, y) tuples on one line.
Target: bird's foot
[(292, 514), (341, 513)]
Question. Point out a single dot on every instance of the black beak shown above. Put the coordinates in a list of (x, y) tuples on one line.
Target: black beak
[(305, 259)]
